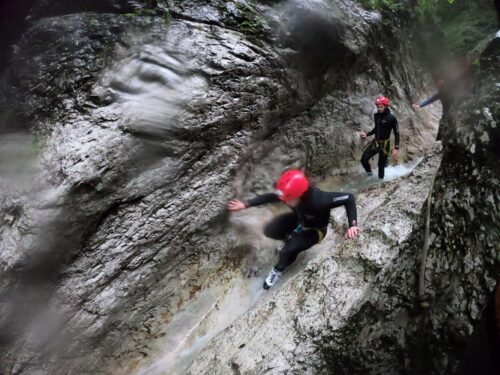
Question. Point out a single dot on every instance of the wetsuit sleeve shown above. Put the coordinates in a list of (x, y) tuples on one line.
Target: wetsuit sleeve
[(347, 200), (395, 127), (262, 199), (432, 99)]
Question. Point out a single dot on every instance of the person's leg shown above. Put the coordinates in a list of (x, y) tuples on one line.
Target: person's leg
[(298, 243), (365, 159), (281, 226), (382, 162)]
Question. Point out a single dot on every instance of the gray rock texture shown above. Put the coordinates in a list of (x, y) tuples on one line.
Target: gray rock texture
[(140, 120), (287, 333), (357, 310), (462, 266)]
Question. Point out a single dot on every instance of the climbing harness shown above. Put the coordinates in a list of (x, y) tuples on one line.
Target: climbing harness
[(299, 229), (384, 146), (321, 231)]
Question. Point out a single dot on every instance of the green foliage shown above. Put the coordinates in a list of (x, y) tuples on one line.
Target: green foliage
[(166, 15), (462, 23), (251, 27), (382, 5), (251, 23), (141, 13)]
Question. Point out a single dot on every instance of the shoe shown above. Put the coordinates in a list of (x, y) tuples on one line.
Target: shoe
[(271, 279)]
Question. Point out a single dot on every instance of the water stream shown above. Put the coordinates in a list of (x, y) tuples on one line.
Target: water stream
[(218, 306)]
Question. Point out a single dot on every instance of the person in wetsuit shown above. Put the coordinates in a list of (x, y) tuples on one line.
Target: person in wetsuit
[(307, 224), (385, 122), (446, 100), (453, 84)]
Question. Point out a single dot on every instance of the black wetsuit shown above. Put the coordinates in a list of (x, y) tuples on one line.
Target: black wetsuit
[(385, 122), (446, 101), (307, 225)]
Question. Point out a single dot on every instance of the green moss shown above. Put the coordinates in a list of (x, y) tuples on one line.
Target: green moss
[(382, 5), (251, 23), (141, 13), (252, 27), (167, 15)]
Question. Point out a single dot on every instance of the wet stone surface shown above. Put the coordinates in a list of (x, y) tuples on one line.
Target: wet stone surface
[(143, 119)]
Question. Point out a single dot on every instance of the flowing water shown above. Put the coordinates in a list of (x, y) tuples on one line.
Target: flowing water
[(217, 307)]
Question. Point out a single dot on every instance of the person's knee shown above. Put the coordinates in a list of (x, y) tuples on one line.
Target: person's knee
[(269, 230), (274, 230)]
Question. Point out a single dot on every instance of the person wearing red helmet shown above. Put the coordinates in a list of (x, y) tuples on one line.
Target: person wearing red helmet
[(385, 122), (307, 224)]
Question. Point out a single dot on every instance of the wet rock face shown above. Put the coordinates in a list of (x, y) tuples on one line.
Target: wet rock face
[(387, 331), (288, 331), (357, 309), (143, 116)]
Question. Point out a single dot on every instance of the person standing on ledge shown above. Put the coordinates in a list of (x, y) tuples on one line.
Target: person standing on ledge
[(307, 224), (385, 122)]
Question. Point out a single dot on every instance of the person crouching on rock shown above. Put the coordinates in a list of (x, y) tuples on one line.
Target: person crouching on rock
[(385, 121), (307, 224)]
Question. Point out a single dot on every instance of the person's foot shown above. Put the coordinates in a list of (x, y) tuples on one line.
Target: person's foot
[(271, 279)]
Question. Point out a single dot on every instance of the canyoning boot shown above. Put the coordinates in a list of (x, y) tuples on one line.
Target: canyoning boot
[(271, 279)]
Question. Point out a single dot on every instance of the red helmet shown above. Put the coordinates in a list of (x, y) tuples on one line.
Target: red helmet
[(381, 100), (291, 185)]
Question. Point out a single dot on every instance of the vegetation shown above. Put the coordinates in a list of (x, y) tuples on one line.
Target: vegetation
[(463, 23), (456, 25), (142, 12), (428, 5), (382, 5), (250, 24)]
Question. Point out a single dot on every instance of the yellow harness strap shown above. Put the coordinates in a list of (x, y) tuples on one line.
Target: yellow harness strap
[(321, 235), (385, 145)]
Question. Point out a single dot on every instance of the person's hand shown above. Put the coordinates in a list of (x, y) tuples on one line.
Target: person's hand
[(395, 154), (362, 134), (352, 232), (415, 106), (236, 205)]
